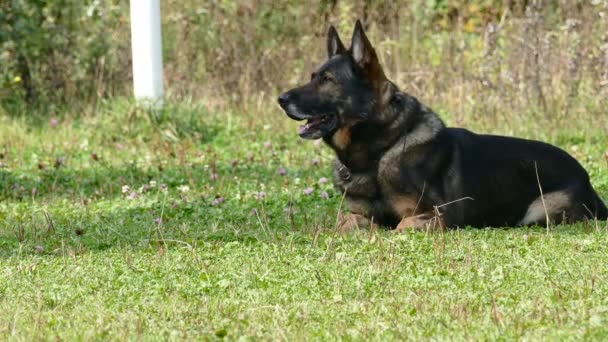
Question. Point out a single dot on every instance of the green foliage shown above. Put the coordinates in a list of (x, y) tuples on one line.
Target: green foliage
[(52, 51)]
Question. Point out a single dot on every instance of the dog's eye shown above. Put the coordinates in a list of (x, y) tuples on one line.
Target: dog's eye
[(327, 78)]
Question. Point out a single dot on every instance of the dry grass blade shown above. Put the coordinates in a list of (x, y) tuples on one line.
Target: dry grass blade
[(540, 188), (49, 222)]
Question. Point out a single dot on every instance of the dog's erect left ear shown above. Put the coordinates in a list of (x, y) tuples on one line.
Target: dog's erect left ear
[(334, 44), (365, 56), (361, 49)]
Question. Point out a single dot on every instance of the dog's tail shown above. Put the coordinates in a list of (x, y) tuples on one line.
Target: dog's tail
[(600, 208)]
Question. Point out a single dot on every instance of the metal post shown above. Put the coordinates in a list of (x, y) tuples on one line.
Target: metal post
[(146, 47)]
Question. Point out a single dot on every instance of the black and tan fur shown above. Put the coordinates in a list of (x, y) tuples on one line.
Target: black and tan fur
[(400, 166)]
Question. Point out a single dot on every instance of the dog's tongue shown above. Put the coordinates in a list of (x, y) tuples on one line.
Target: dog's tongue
[(303, 128)]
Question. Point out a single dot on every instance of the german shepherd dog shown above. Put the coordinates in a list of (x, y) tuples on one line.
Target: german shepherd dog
[(399, 166)]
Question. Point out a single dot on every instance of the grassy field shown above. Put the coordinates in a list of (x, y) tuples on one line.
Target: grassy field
[(190, 223)]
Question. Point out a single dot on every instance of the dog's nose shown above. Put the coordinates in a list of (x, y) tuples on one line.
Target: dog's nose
[(283, 99)]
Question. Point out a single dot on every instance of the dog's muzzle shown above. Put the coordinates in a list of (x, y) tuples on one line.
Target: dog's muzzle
[(316, 126), (283, 100)]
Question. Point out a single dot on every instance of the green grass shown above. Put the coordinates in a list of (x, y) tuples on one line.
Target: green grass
[(211, 239)]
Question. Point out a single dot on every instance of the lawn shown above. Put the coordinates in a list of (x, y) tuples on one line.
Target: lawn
[(192, 223)]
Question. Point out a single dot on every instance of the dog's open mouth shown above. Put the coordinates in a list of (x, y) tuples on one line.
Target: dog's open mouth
[(317, 127)]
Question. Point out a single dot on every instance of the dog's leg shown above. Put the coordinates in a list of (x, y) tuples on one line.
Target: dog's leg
[(352, 221), (422, 222)]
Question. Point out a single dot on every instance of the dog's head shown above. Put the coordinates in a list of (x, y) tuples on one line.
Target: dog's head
[(348, 89)]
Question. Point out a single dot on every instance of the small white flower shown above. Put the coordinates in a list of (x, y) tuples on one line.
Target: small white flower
[(259, 195), (125, 189), (183, 188), (84, 145)]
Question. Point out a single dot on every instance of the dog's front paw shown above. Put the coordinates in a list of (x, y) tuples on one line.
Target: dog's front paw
[(422, 222), (352, 221)]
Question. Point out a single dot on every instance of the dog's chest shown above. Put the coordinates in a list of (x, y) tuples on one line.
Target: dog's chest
[(360, 189), (396, 189), (355, 184), (375, 190)]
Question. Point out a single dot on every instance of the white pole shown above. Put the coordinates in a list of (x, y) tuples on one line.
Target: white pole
[(147, 55)]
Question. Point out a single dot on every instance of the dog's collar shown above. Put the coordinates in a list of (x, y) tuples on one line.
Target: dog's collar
[(344, 172)]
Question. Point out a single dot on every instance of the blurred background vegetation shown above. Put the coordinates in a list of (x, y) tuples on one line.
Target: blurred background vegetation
[(478, 60)]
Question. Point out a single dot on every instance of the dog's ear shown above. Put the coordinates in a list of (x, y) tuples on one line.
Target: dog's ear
[(365, 56), (361, 49), (334, 44)]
